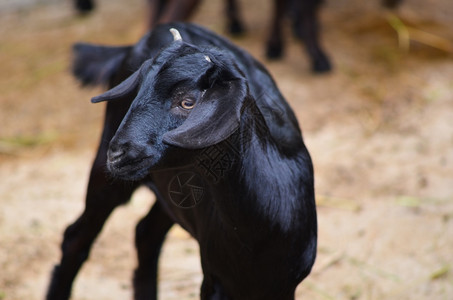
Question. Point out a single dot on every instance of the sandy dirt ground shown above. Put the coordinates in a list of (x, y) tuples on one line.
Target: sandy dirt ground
[(379, 128)]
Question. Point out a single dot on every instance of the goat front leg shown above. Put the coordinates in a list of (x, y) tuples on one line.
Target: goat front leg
[(307, 29), (102, 197), (150, 235)]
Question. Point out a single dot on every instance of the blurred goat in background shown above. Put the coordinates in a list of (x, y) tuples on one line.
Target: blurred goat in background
[(303, 16)]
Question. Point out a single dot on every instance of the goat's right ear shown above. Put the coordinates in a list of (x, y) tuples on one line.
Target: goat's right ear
[(121, 90), (216, 115)]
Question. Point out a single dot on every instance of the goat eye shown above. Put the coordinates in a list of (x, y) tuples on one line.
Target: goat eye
[(187, 104)]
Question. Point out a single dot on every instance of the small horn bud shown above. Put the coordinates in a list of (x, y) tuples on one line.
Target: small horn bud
[(176, 34), (207, 58)]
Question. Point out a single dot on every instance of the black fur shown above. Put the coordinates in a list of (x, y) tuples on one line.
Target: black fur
[(84, 6), (255, 220)]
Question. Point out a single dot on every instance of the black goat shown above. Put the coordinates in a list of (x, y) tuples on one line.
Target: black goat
[(203, 125)]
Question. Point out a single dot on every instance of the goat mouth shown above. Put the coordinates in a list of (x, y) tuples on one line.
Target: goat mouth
[(130, 169)]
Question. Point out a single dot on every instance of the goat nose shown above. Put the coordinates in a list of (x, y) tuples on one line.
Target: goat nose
[(115, 152)]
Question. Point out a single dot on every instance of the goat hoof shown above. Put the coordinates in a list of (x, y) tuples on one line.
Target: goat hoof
[(274, 51), (84, 6), (321, 65), (236, 28)]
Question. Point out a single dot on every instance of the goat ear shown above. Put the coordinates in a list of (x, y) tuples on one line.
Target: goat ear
[(123, 89), (213, 119)]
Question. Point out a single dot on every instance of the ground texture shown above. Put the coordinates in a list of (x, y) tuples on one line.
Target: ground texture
[(379, 128)]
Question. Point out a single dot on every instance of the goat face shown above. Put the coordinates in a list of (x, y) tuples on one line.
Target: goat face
[(185, 98)]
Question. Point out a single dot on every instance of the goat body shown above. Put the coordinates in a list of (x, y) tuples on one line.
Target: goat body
[(203, 125)]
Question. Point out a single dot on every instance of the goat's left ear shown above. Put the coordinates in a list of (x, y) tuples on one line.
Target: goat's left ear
[(216, 115), (125, 88)]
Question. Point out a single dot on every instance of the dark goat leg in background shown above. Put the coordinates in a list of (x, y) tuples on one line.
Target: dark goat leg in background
[(274, 48), (234, 25), (391, 3), (306, 27), (160, 11), (165, 11)]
